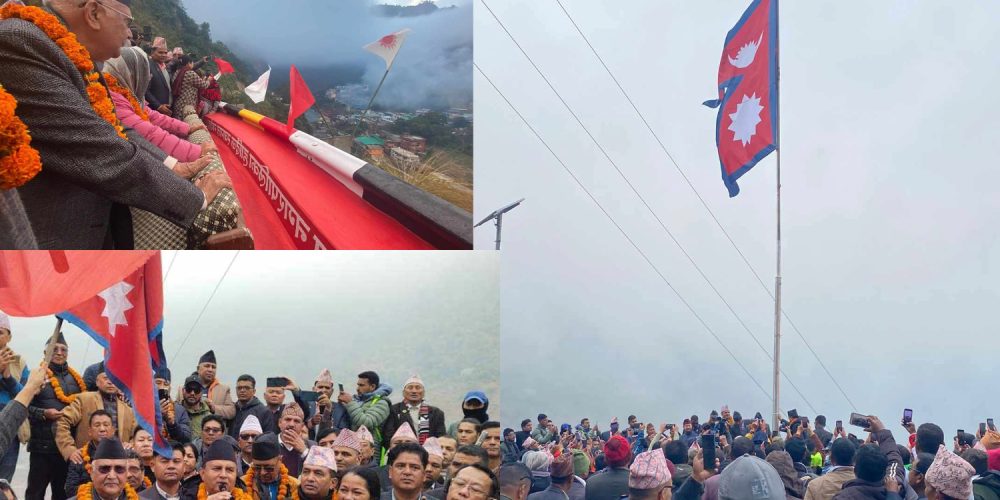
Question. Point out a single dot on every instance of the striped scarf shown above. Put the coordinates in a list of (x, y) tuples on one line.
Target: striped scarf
[(424, 423)]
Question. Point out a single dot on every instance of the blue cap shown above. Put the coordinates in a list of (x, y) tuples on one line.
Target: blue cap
[(478, 395)]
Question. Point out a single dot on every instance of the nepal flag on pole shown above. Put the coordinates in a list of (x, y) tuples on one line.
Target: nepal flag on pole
[(746, 129)]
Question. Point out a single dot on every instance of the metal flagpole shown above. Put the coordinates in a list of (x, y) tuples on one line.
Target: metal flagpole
[(777, 277), (371, 100)]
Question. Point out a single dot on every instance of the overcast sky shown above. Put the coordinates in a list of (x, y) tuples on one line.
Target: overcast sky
[(435, 314), (434, 66), (890, 244)]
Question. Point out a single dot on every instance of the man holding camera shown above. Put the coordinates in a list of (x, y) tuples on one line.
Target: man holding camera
[(174, 415)]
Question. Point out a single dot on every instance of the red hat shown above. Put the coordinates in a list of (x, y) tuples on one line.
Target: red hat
[(617, 451)]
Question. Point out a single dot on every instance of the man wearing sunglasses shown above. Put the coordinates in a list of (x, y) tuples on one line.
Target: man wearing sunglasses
[(249, 432), (267, 469), (194, 405), (90, 171), (109, 466)]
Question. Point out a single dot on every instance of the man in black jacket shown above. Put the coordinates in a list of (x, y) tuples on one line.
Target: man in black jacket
[(425, 420), (46, 465), (247, 404), (872, 464)]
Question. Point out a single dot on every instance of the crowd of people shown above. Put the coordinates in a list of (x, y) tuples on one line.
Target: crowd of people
[(84, 441), (109, 127), (732, 458)]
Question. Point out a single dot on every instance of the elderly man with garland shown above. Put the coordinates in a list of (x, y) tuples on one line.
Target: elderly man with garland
[(107, 474), (294, 446), (13, 375), (425, 420), (269, 479), (100, 428), (318, 480), (326, 412), (218, 476), (177, 420), (214, 393), (167, 472), (46, 465), (64, 102), (77, 416)]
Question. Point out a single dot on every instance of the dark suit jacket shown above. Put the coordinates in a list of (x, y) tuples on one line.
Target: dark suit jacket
[(87, 168), (398, 415), (158, 93)]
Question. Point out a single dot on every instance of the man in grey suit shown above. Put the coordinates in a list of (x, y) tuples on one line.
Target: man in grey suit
[(168, 473), (89, 174)]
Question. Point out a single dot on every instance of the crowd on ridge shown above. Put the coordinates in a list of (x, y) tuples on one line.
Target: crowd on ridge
[(84, 441), (800, 460)]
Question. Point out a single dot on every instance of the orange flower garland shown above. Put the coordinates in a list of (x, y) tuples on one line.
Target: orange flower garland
[(86, 458), (84, 492), (60, 395), (238, 494), (19, 162), (118, 88), (76, 52), (284, 485)]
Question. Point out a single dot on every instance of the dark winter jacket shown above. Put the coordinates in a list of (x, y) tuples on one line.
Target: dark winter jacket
[(987, 487), (43, 438), (256, 408), (399, 413), (859, 489)]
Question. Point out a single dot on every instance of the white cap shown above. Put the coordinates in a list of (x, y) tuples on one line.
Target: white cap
[(251, 424)]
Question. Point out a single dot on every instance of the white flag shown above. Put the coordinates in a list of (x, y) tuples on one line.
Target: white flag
[(387, 46), (258, 90)]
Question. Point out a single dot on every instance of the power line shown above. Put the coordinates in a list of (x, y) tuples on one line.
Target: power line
[(170, 266), (627, 237), (701, 199), (230, 266), (646, 204)]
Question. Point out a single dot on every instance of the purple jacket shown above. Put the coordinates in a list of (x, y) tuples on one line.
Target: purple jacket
[(161, 130)]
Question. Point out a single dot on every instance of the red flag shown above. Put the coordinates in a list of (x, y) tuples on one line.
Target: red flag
[(224, 66), (302, 98), (746, 130), (126, 318), (40, 283)]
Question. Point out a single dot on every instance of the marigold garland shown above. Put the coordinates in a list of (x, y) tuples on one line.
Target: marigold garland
[(19, 162), (86, 458), (77, 53), (84, 492), (60, 395), (284, 485), (124, 91), (238, 494)]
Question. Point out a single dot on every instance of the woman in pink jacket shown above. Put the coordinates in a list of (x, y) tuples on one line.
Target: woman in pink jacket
[(132, 72)]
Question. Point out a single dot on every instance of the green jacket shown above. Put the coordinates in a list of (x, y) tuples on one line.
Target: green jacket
[(197, 415)]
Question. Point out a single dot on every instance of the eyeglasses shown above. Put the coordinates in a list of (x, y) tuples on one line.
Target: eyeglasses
[(248, 437), (106, 469), (462, 483), (212, 430), (264, 468)]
